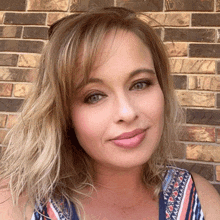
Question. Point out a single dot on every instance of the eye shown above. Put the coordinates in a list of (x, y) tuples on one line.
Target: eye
[(93, 98), (141, 85)]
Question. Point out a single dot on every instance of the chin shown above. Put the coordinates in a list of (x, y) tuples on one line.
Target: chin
[(124, 163)]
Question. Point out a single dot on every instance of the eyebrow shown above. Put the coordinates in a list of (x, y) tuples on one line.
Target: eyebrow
[(131, 75), (142, 70)]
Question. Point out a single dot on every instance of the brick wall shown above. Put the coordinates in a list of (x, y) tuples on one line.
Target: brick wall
[(191, 32)]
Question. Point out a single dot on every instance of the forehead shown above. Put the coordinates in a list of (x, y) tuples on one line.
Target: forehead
[(118, 51), (121, 51)]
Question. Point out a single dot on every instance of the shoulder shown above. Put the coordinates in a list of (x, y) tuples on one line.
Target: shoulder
[(8, 211), (208, 196)]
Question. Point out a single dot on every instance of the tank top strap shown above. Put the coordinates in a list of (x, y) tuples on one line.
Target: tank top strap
[(59, 210), (179, 198), (162, 207)]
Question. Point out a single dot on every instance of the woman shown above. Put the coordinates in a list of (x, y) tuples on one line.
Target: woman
[(94, 135)]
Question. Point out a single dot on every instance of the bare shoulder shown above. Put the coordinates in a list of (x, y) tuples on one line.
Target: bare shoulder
[(209, 198), (10, 212)]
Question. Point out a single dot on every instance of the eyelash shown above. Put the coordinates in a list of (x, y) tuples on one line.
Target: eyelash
[(147, 84), (95, 94)]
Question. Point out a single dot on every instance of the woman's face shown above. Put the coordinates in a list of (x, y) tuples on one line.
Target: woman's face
[(118, 116)]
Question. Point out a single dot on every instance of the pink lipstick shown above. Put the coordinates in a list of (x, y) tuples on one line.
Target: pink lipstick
[(130, 139)]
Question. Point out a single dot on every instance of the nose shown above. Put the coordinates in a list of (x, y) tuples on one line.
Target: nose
[(125, 110)]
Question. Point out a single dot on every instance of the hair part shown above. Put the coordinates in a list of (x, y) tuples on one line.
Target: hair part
[(43, 156)]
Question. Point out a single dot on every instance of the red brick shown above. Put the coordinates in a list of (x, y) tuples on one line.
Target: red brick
[(218, 135), (199, 134), (206, 19), (204, 50), (1, 17), (10, 105), (21, 90), (21, 46), (166, 19), (217, 5), (35, 33), (218, 100), (208, 83), (141, 5), (203, 116), (25, 18), (10, 31), (78, 5), (176, 49), (12, 5), (2, 134), (8, 59), (218, 173), (180, 81), (28, 60), (192, 5), (179, 151), (5, 89), (12, 119), (218, 67), (42, 5), (158, 32), (197, 99), (192, 66), (3, 118), (207, 153), (17, 75), (53, 17), (189, 35)]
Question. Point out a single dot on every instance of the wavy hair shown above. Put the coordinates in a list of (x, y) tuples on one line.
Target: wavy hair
[(43, 156)]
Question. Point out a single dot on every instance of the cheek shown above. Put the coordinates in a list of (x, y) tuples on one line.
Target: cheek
[(159, 106), (158, 103), (159, 113), (89, 125), (153, 105)]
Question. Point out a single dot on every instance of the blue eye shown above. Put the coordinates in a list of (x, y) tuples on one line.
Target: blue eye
[(93, 98), (141, 85)]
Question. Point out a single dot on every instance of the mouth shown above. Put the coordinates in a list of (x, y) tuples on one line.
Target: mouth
[(130, 139)]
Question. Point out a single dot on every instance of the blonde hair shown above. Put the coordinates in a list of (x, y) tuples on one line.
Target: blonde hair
[(43, 156)]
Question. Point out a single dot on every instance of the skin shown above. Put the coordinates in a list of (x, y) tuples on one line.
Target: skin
[(10, 212), (124, 104), (209, 198), (119, 101), (112, 105)]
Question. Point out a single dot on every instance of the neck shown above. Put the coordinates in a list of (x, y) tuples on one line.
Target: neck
[(120, 191), (123, 188), (118, 180)]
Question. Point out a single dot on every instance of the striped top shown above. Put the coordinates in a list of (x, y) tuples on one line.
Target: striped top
[(178, 201)]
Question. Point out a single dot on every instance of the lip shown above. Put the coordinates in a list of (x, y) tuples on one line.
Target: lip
[(130, 139)]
